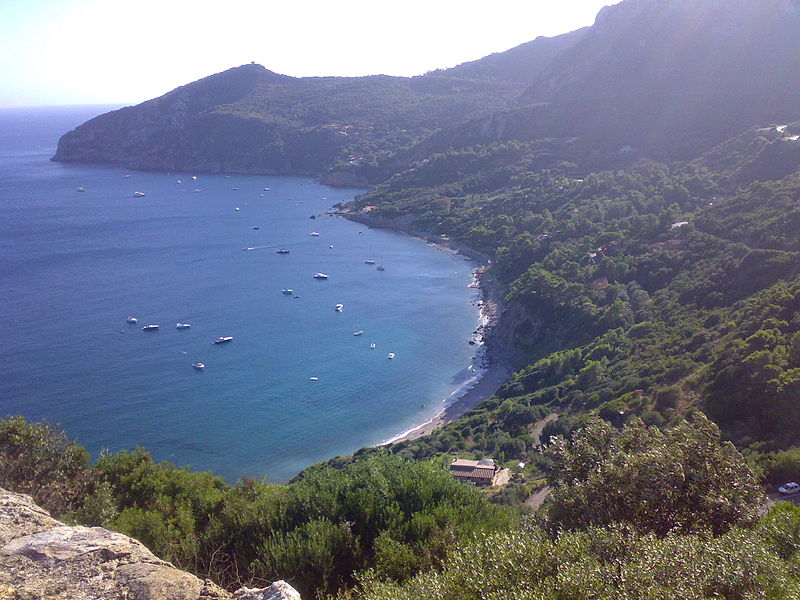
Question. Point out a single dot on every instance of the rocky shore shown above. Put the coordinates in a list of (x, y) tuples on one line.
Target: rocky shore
[(500, 358)]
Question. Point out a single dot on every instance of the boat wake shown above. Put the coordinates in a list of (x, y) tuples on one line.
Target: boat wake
[(249, 248)]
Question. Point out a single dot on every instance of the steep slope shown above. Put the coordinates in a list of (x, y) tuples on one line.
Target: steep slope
[(673, 77), (665, 79), (522, 63)]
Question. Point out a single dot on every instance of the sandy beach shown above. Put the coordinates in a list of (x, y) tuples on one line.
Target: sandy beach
[(498, 355)]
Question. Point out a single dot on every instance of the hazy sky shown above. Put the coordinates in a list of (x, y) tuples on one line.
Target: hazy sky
[(127, 51)]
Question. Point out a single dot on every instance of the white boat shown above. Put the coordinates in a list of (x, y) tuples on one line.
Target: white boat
[(313, 378), (237, 208), (320, 276), (182, 325), (198, 365), (372, 346), (359, 332), (391, 355), (150, 328), (369, 261), (282, 251), (380, 268), (254, 227), (138, 194), (314, 234), (222, 340), (339, 307), (132, 320), (287, 291), (81, 189)]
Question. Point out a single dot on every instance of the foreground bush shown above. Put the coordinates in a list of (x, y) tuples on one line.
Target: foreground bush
[(682, 478), (615, 563), (38, 459)]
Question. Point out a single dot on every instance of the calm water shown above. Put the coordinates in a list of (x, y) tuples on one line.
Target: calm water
[(74, 265)]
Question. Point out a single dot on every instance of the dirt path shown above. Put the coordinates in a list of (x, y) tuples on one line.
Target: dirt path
[(537, 428), (536, 499)]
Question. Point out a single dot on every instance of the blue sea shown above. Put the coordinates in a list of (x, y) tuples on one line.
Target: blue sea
[(74, 265)]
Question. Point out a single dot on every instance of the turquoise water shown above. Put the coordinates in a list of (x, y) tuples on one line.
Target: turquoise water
[(74, 265)]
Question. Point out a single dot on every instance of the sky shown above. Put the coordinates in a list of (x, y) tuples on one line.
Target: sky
[(60, 52)]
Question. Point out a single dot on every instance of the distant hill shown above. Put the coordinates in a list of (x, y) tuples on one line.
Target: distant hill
[(251, 120), (523, 63)]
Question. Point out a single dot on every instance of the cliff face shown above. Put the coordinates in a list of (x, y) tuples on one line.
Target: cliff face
[(41, 558)]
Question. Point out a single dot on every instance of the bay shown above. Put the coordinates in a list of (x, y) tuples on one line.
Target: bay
[(74, 265)]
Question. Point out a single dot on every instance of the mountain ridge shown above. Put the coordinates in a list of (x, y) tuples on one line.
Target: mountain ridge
[(251, 120)]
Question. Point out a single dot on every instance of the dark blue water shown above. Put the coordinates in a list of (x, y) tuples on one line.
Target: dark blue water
[(74, 265)]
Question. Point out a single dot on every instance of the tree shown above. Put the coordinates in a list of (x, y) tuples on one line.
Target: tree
[(38, 459), (680, 479)]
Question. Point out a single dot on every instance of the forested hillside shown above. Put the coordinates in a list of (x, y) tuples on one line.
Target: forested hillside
[(646, 291)]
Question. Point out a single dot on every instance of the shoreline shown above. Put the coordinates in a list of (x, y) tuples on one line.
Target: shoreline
[(495, 356)]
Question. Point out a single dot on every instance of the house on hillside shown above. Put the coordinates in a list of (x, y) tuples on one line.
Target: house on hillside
[(479, 472)]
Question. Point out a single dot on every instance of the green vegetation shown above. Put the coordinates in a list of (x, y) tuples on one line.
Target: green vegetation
[(250, 120), (636, 513), (41, 461), (603, 563), (679, 480), (386, 514)]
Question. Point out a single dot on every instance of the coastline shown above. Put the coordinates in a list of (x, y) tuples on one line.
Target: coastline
[(495, 354)]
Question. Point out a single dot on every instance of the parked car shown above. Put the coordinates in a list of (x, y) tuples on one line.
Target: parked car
[(789, 488)]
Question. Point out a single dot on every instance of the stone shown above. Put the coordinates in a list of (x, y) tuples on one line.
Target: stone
[(43, 559), (280, 590)]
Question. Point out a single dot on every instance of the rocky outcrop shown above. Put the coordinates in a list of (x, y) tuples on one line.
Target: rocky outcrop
[(42, 558)]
